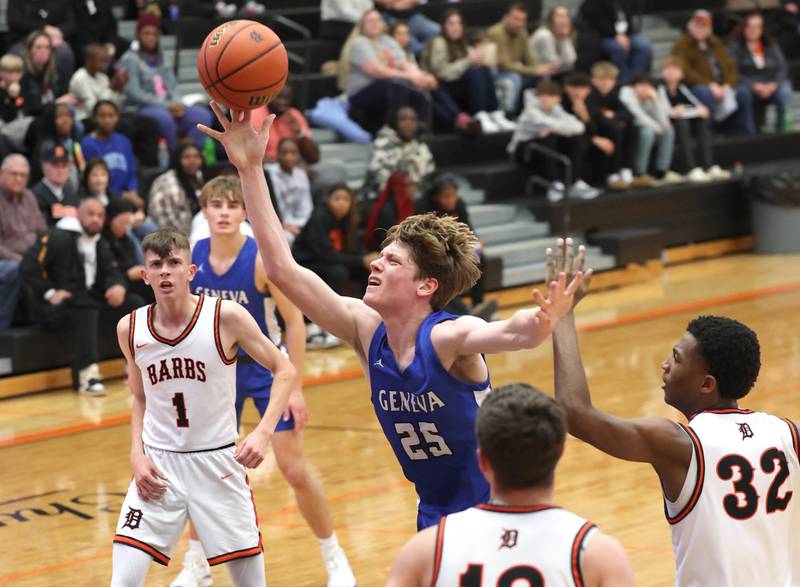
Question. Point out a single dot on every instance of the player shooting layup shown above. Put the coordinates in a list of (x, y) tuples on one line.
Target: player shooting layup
[(183, 425), (425, 366)]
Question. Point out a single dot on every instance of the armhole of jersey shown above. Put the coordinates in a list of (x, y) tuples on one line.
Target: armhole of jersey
[(131, 326), (439, 551), (699, 479), (795, 436), (218, 337), (577, 549)]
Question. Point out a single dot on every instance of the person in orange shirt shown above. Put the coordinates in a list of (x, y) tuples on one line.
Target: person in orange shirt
[(289, 123)]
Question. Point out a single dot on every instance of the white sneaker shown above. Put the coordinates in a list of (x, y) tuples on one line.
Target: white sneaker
[(626, 175), (555, 193), (697, 175), (195, 572), (225, 10), (671, 177), (581, 189), (89, 381), (252, 8), (716, 172), (339, 573), (499, 117), (488, 124)]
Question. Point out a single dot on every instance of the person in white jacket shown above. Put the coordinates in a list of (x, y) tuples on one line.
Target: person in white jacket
[(656, 132), (545, 122)]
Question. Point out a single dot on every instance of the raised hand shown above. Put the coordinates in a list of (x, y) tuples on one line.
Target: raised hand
[(244, 144), (564, 263)]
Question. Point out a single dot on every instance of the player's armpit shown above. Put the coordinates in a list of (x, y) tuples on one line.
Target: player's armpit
[(413, 565), (124, 340), (605, 564)]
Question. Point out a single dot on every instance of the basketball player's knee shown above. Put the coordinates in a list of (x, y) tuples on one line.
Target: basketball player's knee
[(296, 474)]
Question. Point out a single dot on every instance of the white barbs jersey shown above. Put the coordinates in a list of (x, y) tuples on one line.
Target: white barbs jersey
[(490, 545), (189, 383), (736, 521)]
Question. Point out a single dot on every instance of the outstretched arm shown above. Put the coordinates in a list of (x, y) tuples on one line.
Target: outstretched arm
[(245, 147), (657, 441)]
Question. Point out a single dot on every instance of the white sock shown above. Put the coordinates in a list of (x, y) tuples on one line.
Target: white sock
[(195, 547), (328, 545), (248, 572)]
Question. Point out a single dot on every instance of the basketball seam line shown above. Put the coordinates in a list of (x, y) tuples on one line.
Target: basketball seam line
[(241, 67)]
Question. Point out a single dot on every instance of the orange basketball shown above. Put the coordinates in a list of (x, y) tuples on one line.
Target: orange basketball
[(242, 64)]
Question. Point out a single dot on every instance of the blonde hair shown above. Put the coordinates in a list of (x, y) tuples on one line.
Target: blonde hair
[(441, 247), (224, 187), (672, 61), (605, 70), (11, 63)]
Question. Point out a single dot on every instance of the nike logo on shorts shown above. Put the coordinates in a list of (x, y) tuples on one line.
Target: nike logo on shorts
[(223, 477)]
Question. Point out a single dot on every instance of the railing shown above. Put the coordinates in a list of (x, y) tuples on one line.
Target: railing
[(565, 161)]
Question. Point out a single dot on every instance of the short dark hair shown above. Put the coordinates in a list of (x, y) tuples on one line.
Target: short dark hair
[(522, 432), (100, 103), (519, 6), (731, 352), (641, 78), (163, 240), (578, 79), (548, 87)]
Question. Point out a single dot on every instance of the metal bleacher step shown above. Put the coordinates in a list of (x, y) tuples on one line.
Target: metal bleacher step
[(536, 271), (484, 214), (472, 197), (521, 230), (346, 152)]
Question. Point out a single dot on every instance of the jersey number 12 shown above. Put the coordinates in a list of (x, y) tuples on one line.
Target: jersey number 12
[(516, 576)]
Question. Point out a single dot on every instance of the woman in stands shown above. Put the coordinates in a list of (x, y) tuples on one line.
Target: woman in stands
[(152, 89), (380, 79), (554, 41), (463, 71), (763, 72), (40, 82), (173, 199)]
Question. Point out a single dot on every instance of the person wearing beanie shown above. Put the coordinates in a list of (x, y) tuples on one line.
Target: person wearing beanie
[(152, 89), (125, 248)]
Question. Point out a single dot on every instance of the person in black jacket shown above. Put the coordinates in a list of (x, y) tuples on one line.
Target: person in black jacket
[(328, 244), (77, 286), (56, 198), (126, 249), (96, 24)]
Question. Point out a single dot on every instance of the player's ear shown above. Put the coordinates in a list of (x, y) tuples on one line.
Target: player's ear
[(192, 271), (428, 286), (143, 273), (484, 465), (709, 385)]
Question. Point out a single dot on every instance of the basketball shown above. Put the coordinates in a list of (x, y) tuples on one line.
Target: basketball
[(242, 64)]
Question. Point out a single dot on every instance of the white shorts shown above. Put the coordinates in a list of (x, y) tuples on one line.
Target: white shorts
[(210, 488)]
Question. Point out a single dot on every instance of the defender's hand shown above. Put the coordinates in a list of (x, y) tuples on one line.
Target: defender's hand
[(564, 262)]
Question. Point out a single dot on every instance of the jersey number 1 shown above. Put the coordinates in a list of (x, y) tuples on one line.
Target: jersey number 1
[(473, 577), (180, 409)]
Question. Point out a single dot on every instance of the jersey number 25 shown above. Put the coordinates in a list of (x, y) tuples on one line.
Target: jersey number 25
[(435, 446)]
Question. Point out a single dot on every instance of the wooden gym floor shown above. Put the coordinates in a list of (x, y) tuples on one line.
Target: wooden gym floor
[(65, 457)]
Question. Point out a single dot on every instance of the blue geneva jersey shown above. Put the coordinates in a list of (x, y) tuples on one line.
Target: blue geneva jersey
[(238, 284), (428, 417)]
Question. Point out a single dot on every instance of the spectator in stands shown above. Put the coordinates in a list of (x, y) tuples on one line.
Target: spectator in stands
[(76, 287), (464, 73), (711, 73), (289, 123), (173, 199), (126, 249), (689, 118), (114, 148), (56, 19), (554, 41), (613, 20), (613, 121), (40, 82), (21, 223), (328, 245), (442, 199), (56, 126), (91, 83), (379, 78), (11, 100), (423, 29), (545, 123), (338, 17), (652, 119), (518, 68), (56, 198), (395, 204), (290, 188), (96, 24), (397, 148), (763, 71), (152, 89)]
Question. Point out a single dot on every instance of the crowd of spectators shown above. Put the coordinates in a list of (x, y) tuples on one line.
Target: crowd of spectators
[(84, 113)]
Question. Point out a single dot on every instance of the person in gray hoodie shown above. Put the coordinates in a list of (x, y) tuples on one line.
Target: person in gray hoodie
[(656, 132), (545, 122)]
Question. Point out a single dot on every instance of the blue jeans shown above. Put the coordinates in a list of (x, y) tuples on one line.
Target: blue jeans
[(664, 143), (632, 61), (9, 289), (423, 29), (474, 91), (744, 111), (169, 127)]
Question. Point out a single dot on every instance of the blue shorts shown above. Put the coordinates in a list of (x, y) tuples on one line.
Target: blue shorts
[(253, 380)]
